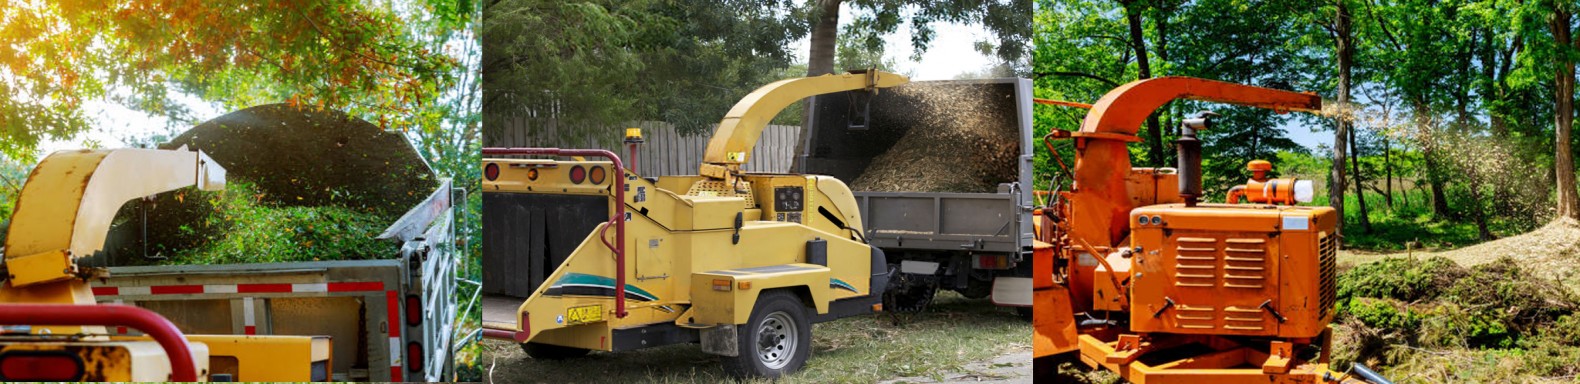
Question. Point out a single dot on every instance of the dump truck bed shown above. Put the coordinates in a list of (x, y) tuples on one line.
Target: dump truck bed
[(390, 319), (912, 156)]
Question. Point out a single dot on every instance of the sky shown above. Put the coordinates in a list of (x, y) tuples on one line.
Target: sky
[(952, 51)]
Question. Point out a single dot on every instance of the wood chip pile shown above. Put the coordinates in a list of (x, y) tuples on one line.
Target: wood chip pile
[(956, 142)]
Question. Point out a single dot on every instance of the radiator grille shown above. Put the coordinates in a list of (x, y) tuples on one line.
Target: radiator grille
[(1328, 248)]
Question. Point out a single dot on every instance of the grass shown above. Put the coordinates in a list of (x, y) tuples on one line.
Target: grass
[(955, 333)]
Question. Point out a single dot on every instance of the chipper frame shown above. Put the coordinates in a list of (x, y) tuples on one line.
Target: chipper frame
[(52, 328), (742, 263), (1133, 278)]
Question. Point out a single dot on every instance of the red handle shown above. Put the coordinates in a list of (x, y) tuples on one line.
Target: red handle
[(160, 329)]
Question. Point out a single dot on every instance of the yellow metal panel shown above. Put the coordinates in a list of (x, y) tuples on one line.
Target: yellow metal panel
[(270, 358), (42, 267)]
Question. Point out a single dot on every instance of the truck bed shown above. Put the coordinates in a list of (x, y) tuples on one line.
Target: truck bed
[(986, 222)]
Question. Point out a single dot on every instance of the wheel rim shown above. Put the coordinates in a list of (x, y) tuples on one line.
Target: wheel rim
[(776, 340)]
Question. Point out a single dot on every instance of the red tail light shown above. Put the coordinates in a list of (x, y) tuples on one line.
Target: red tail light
[(40, 366), (578, 174), (491, 171), (414, 357), (413, 310)]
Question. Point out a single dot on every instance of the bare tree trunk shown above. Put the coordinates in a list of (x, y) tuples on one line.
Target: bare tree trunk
[(1144, 71), (1342, 127), (1563, 116)]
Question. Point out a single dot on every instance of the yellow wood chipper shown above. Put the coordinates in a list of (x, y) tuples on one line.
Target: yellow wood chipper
[(741, 263)]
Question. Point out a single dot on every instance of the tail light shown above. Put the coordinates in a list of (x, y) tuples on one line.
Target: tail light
[(491, 171), (414, 357), (596, 175), (578, 174), (413, 310), (40, 366)]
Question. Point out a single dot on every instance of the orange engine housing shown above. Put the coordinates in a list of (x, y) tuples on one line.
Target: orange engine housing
[(1218, 269)]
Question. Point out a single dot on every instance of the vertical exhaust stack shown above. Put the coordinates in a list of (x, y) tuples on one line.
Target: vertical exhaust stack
[(1189, 154)]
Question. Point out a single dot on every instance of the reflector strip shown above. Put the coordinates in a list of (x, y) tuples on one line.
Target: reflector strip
[(356, 286), (248, 320), (120, 329), (396, 352)]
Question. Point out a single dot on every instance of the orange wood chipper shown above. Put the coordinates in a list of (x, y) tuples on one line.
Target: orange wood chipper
[(1136, 274)]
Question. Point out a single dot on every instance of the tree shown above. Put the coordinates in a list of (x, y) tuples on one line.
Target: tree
[(561, 72), (341, 54), (1561, 24), (1005, 19)]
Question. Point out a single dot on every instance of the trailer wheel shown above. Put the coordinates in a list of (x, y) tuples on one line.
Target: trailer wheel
[(775, 341), (542, 351)]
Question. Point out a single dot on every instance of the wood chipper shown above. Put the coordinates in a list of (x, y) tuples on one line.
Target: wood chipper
[(742, 263), (387, 315), (1136, 275), (53, 328)]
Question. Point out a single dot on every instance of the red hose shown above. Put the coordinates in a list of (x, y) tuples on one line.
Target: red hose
[(157, 327), (619, 208)]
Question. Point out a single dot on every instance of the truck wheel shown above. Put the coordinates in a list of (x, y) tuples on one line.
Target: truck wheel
[(775, 341), (542, 351)]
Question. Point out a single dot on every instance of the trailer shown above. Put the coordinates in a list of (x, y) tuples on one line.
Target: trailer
[(976, 243)]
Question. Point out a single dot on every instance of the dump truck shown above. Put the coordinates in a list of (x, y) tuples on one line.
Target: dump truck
[(741, 263), (67, 316), (942, 171), (1136, 273)]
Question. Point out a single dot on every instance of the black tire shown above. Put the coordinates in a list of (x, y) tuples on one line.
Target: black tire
[(775, 341), (542, 351), (1025, 313)]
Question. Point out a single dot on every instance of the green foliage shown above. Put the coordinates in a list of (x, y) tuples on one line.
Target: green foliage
[(1390, 306), (1399, 279), (584, 65), (345, 54), (241, 229)]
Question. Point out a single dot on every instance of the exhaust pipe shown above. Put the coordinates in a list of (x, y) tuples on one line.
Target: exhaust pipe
[(1188, 149)]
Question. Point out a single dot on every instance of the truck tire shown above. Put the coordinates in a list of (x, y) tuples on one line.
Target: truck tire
[(775, 341), (542, 351)]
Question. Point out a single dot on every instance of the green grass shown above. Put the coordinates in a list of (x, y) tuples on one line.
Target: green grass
[(953, 334), (1410, 219)]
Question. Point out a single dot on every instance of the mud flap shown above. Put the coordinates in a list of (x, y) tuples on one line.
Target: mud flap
[(720, 340)]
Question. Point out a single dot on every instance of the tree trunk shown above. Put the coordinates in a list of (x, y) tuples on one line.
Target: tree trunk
[(1563, 116), (1434, 176), (1388, 168), (825, 33), (820, 61), (1360, 195), (1144, 71), (1342, 126)]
